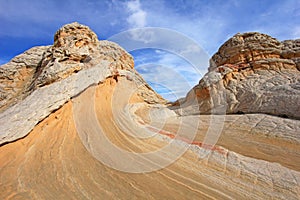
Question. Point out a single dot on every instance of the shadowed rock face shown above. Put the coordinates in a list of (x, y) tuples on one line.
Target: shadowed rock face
[(250, 73), (51, 147)]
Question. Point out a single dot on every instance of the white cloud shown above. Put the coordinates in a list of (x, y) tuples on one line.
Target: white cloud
[(137, 17), (296, 32), (205, 28), (191, 49), (134, 5), (161, 78), (144, 36), (208, 23), (167, 73)]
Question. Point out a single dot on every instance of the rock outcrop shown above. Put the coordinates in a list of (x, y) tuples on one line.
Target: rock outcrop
[(291, 50), (42, 79), (251, 73), (17, 76), (75, 48), (78, 122)]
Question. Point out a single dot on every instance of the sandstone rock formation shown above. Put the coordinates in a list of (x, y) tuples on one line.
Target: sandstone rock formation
[(60, 103), (17, 75), (50, 76), (251, 73)]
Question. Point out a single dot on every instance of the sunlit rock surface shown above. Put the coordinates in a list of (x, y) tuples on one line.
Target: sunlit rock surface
[(250, 73), (58, 103)]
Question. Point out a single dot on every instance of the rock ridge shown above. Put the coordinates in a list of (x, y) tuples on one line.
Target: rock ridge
[(47, 95), (247, 48), (75, 48), (42, 79), (250, 73)]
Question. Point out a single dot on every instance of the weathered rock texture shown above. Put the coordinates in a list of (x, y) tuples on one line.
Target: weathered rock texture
[(42, 79), (291, 50), (17, 76), (75, 47), (57, 102), (251, 73)]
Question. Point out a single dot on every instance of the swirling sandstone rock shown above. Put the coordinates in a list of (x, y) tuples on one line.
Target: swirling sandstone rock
[(42, 79), (49, 145)]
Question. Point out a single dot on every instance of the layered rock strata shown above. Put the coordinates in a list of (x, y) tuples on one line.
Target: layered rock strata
[(59, 102), (250, 73), (42, 79)]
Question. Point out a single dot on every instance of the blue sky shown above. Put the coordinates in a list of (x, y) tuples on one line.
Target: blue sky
[(210, 23)]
